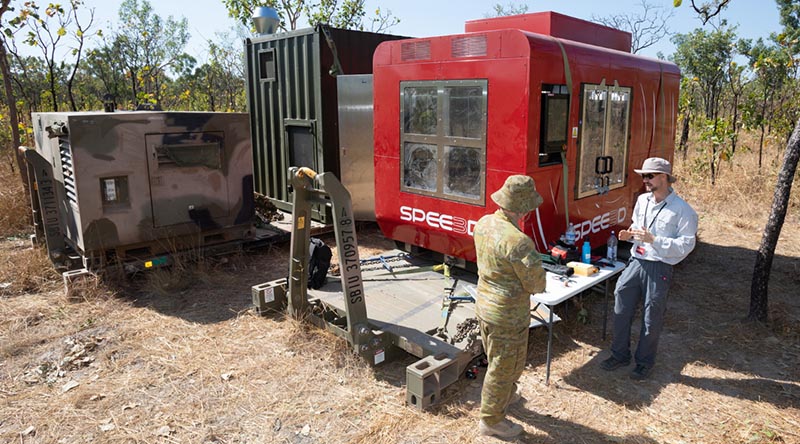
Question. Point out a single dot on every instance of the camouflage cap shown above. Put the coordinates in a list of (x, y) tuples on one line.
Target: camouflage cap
[(518, 194)]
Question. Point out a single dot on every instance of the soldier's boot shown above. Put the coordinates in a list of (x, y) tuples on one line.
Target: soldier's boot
[(515, 397), (503, 429)]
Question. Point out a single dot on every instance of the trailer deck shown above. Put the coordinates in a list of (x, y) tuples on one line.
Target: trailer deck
[(410, 301)]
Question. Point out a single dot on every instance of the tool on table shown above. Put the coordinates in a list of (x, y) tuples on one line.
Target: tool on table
[(561, 270)]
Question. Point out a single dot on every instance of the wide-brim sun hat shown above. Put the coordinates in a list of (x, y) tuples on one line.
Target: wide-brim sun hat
[(518, 194), (656, 165)]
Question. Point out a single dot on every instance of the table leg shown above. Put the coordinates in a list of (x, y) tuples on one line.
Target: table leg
[(549, 344), (605, 309)]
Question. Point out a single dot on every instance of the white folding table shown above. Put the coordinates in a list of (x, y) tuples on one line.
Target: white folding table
[(559, 289)]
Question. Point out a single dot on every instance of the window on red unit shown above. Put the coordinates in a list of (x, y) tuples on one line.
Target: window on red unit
[(604, 135), (553, 124), (443, 132)]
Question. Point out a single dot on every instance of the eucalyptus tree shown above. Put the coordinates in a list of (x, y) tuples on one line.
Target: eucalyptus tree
[(218, 84), (49, 30), (105, 64), (705, 57), (8, 89), (759, 296), (30, 79), (687, 109), (737, 82), (789, 39), (789, 11), (149, 47), (771, 67), (347, 14), (80, 35), (227, 64)]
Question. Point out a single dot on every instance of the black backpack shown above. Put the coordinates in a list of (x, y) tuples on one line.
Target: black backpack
[(318, 263)]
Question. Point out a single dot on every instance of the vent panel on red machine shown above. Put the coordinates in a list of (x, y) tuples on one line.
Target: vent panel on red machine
[(471, 46), (420, 50)]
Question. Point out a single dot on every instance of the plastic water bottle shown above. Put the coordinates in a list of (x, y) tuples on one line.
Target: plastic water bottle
[(571, 235), (586, 253), (611, 247)]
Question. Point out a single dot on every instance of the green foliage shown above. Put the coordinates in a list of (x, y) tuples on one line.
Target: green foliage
[(347, 14), (49, 31), (717, 135), (705, 57), (149, 48), (105, 69), (217, 85), (790, 19)]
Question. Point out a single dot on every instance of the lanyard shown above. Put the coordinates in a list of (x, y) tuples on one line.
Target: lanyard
[(647, 207)]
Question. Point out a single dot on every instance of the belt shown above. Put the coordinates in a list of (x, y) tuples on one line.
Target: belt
[(648, 261)]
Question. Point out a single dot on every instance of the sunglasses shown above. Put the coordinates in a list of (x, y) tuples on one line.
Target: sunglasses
[(649, 176)]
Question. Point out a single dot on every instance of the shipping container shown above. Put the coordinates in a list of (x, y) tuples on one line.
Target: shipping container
[(292, 100)]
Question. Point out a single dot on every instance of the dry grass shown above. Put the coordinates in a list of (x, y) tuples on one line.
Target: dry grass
[(15, 210), (739, 202), (154, 361), (25, 269)]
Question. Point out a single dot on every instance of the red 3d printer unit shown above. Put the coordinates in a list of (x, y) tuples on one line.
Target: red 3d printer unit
[(556, 98)]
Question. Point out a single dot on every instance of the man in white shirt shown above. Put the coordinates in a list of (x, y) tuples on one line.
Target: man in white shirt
[(663, 232)]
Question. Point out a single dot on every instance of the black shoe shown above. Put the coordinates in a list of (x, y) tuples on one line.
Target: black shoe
[(641, 372), (613, 363)]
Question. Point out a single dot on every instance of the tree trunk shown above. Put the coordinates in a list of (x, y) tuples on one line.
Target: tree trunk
[(13, 115), (769, 240), (762, 124), (714, 156), (735, 124), (760, 146), (53, 88), (683, 145), (712, 163)]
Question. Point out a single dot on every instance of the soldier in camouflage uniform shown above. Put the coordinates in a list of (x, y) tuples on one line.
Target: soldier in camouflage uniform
[(509, 271)]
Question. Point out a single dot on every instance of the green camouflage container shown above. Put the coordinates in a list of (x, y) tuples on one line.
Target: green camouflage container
[(128, 186), (292, 98)]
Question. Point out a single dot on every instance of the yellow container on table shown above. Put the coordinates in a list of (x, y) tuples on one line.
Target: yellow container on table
[(582, 269)]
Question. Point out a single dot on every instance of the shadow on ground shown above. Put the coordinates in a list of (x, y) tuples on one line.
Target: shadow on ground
[(560, 431), (707, 304)]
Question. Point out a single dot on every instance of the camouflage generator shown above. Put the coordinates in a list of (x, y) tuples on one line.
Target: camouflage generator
[(137, 188)]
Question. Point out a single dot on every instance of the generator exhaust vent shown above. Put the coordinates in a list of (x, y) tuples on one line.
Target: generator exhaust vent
[(472, 46), (67, 169), (420, 50)]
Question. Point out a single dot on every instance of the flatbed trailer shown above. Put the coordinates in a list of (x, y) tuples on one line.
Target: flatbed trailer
[(411, 305), (395, 322)]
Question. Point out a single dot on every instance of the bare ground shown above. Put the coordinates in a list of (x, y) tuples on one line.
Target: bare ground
[(180, 357)]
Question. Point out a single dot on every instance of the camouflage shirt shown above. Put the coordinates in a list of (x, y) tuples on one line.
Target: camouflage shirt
[(509, 271)]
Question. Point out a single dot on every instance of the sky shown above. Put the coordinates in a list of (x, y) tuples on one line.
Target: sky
[(755, 18)]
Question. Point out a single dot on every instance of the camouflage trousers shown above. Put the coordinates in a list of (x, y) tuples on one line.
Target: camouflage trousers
[(506, 350)]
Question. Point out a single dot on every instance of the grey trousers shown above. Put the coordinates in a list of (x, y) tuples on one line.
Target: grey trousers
[(641, 280)]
